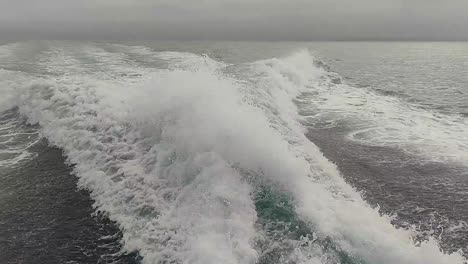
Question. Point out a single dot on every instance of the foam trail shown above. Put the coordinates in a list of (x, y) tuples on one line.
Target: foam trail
[(8, 81), (328, 202), (163, 154), (188, 207), (385, 121)]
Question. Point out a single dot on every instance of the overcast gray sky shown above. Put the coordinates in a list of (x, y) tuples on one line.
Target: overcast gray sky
[(236, 19)]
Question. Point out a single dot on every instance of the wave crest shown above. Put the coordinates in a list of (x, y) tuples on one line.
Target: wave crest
[(175, 157)]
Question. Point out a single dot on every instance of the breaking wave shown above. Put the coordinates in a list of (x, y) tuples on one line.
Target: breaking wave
[(199, 161)]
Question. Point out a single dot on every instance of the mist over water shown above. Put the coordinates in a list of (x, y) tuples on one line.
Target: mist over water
[(211, 153)]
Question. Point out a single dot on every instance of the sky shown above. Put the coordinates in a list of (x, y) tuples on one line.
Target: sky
[(235, 19)]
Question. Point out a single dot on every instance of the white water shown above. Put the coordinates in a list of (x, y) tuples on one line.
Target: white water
[(160, 150), (388, 121)]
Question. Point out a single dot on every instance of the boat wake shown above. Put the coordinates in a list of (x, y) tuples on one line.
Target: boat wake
[(199, 161)]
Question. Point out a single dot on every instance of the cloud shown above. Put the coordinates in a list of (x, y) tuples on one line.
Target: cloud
[(240, 19)]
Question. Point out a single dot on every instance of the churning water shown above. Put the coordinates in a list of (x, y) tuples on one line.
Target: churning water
[(234, 153)]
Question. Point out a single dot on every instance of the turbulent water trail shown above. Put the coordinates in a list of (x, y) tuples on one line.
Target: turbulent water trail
[(386, 121), (197, 159)]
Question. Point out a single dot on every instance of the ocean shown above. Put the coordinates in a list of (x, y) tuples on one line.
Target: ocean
[(234, 152)]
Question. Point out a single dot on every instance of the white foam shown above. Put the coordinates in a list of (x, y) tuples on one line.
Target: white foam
[(15, 142), (334, 207), (194, 208), (162, 158), (8, 82), (387, 121)]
